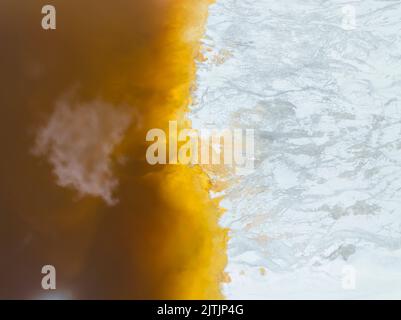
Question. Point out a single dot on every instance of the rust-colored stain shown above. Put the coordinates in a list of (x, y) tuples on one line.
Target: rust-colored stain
[(162, 239)]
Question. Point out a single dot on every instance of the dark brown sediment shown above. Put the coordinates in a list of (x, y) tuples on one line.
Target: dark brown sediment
[(162, 239)]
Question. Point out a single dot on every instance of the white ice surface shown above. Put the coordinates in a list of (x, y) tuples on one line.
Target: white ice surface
[(323, 91)]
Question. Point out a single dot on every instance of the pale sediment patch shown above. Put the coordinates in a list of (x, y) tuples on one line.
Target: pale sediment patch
[(78, 141)]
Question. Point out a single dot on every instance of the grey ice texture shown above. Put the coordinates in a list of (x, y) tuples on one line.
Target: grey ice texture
[(320, 82)]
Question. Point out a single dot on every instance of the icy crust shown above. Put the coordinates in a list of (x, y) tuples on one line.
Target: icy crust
[(323, 92)]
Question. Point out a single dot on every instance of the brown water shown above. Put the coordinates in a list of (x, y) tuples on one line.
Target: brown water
[(161, 240)]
